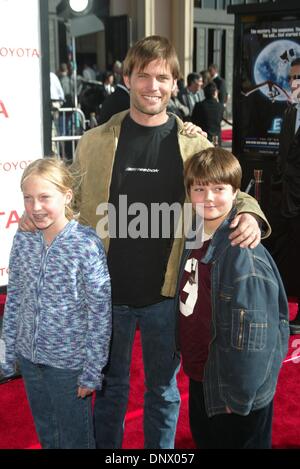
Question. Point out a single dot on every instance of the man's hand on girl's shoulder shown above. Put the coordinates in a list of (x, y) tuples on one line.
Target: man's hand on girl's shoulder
[(25, 224)]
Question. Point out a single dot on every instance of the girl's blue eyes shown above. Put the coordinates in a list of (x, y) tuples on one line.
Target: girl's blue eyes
[(27, 197)]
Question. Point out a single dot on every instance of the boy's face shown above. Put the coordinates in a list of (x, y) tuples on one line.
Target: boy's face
[(215, 200)]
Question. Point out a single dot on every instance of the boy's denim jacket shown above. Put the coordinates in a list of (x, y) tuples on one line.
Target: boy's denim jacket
[(249, 329)]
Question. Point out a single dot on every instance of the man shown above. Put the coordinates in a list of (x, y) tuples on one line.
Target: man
[(115, 102), (193, 92), (57, 94), (57, 97), (284, 242), (108, 83), (176, 106), (139, 155), (117, 69), (88, 73), (208, 113), (220, 83), (67, 84)]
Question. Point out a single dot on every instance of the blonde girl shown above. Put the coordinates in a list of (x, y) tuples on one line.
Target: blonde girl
[(57, 319)]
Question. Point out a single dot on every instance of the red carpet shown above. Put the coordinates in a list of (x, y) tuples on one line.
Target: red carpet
[(17, 430), (226, 135)]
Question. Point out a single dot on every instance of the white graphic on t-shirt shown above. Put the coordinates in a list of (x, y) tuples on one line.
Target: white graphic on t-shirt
[(142, 170), (191, 288)]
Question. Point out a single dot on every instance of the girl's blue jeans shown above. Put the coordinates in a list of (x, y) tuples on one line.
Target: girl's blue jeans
[(62, 420)]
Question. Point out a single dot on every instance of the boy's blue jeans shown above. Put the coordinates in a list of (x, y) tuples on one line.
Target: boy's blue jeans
[(62, 420), (161, 399), (228, 431)]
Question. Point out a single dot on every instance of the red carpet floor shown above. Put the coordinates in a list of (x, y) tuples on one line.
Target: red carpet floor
[(227, 135), (17, 429)]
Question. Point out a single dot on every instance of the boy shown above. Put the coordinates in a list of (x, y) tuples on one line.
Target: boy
[(233, 319)]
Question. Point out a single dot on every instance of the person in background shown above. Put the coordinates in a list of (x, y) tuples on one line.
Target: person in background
[(88, 73), (176, 106), (57, 318), (206, 78), (117, 69), (57, 94), (108, 83), (67, 84), (233, 317), (180, 84), (220, 83), (66, 122), (114, 103), (208, 114), (57, 97), (193, 92), (284, 241)]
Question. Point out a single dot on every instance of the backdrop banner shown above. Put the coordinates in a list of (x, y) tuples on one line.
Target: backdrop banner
[(268, 50), (21, 120)]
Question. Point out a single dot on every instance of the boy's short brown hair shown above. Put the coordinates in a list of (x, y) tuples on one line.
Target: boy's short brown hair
[(213, 166), (148, 49)]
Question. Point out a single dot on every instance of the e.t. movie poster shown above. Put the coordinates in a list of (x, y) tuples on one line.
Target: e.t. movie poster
[(267, 53)]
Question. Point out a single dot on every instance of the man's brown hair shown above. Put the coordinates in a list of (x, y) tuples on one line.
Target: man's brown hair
[(148, 49)]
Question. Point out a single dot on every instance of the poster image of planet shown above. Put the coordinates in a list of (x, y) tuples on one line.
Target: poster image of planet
[(268, 50), (273, 64)]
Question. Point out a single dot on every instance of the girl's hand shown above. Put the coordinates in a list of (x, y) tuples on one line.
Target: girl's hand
[(84, 392)]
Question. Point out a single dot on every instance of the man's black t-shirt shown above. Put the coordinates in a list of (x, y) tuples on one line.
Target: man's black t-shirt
[(148, 169)]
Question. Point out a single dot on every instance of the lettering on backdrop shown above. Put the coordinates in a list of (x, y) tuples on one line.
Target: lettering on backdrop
[(3, 271), (19, 52), (9, 218), (8, 166), (3, 109)]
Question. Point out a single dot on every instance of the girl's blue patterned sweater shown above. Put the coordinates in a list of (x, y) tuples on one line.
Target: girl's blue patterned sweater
[(58, 309)]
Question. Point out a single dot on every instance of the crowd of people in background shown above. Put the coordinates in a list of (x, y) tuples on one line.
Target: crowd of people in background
[(200, 99)]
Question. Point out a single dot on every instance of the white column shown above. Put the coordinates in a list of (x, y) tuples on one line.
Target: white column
[(149, 17), (182, 33)]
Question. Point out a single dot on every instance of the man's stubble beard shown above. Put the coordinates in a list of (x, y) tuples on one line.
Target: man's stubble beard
[(148, 112)]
